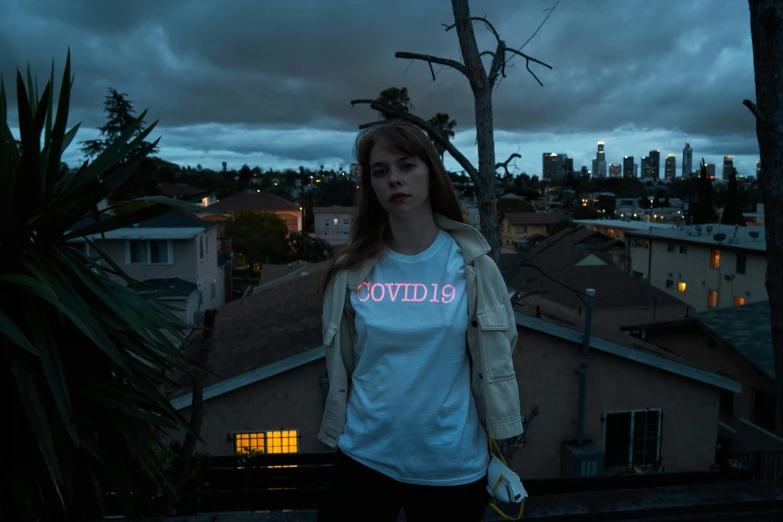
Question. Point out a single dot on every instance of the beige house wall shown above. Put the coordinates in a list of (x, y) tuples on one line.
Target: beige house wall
[(546, 369), (658, 265), (509, 233)]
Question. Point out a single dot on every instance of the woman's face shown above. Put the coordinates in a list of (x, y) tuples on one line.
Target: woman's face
[(400, 181)]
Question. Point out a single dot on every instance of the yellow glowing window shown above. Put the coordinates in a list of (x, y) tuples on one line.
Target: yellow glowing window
[(712, 299), (681, 286), (714, 258), (739, 301), (285, 441)]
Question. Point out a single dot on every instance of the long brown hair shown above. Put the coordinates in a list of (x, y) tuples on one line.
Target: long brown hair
[(370, 231)]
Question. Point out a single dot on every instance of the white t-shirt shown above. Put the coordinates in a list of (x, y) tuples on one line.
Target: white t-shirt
[(411, 414)]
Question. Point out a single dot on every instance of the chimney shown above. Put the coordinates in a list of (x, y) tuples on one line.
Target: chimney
[(228, 269)]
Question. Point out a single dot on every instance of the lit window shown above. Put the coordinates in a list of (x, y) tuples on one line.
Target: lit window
[(739, 301), (619, 234), (286, 441), (714, 258), (336, 221), (712, 299), (681, 286)]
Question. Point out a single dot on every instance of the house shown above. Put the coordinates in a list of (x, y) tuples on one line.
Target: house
[(645, 405), (175, 252), (179, 190), (619, 227), (289, 212), (333, 224), (735, 342), (706, 266), (515, 226)]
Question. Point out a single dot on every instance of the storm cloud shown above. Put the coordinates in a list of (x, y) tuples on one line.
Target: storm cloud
[(269, 83)]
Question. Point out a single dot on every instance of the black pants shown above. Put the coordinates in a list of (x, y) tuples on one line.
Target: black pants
[(359, 493)]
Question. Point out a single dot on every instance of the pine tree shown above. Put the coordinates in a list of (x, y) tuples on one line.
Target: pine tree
[(705, 211), (732, 214), (120, 114)]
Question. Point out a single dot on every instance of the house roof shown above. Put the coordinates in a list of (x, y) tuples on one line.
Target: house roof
[(736, 237), (175, 286), (176, 190), (533, 218), (173, 225), (335, 208), (280, 319), (747, 329), (256, 201)]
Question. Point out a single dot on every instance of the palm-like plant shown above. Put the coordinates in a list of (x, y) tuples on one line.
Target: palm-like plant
[(396, 97), (445, 127), (84, 355)]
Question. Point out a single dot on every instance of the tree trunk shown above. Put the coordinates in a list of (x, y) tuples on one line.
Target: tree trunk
[(485, 133), (766, 29)]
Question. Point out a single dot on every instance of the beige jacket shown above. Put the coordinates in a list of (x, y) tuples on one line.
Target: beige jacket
[(491, 339)]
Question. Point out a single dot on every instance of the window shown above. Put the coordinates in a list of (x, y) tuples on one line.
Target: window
[(640, 243), (326, 222), (632, 438), (683, 249), (714, 258), (286, 441), (739, 301), (521, 229), (148, 253), (726, 404), (619, 234), (206, 243), (336, 221), (764, 410), (712, 299), (742, 260), (681, 286), (669, 283), (213, 288), (346, 221), (201, 248), (670, 247), (638, 274)]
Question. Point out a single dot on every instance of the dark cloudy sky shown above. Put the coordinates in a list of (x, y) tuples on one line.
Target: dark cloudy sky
[(268, 83)]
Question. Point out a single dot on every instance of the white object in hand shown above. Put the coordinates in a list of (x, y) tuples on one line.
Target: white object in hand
[(509, 488)]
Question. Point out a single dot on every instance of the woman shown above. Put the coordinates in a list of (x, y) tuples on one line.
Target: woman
[(418, 334)]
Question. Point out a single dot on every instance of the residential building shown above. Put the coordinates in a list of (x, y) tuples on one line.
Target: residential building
[(333, 224), (728, 167), (736, 343), (268, 388), (470, 213), (629, 167), (706, 266), (180, 190), (619, 227), (289, 212), (517, 226), (175, 253), (654, 165), (687, 161), (670, 170)]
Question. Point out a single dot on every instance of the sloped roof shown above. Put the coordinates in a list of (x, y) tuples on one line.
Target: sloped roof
[(747, 329), (256, 201), (170, 220), (533, 218)]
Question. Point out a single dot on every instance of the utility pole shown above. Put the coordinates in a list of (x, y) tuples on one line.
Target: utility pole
[(583, 367)]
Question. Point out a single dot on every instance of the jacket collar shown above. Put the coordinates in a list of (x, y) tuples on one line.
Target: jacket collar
[(471, 242)]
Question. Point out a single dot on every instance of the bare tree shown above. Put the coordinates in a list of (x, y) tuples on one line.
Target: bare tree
[(482, 83), (766, 30)]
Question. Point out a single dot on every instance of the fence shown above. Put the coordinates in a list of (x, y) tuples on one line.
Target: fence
[(764, 465), (298, 481)]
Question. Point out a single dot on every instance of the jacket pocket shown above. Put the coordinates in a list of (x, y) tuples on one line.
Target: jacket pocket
[(494, 342)]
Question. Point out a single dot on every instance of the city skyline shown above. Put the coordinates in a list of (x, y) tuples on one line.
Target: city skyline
[(270, 84)]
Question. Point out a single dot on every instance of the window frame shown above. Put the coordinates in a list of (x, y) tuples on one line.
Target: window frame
[(742, 262), (297, 437), (683, 249), (147, 242), (715, 258), (682, 286), (710, 293), (659, 437)]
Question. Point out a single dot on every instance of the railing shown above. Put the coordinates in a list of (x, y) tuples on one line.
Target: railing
[(298, 481), (764, 465)]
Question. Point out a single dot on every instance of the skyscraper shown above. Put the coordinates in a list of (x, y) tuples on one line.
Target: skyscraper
[(599, 164), (728, 167), (645, 172), (670, 171), (654, 164), (552, 167), (710, 170), (687, 161), (628, 167), (568, 165), (615, 170)]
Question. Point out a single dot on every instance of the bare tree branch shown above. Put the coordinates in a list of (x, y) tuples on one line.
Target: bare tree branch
[(551, 10), (529, 59), (426, 127), (454, 64), (505, 163), (487, 23), (752, 106)]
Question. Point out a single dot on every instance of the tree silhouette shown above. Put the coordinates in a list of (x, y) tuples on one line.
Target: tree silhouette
[(395, 97), (120, 114), (705, 211), (445, 126), (732, 214)]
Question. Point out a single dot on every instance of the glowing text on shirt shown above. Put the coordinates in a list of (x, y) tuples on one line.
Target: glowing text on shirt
[(413, 292)]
